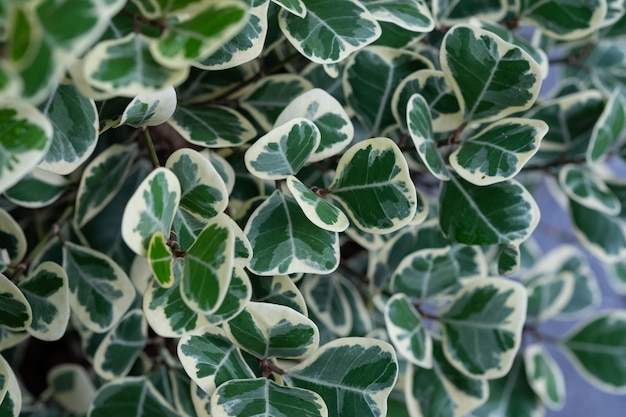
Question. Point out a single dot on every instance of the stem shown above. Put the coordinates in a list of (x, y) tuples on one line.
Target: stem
[(268, 367), (151, 150)]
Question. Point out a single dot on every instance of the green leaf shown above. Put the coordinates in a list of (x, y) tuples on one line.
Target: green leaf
[(482, 223), (271, 330), (582, 185), (75, 122), (443, 390), (375, 171), (407, 331), (127, 67), (411, 15), (296, 7), (370, 78), (265, 398), (549, 294), (237, 298), (317, 105), (482, 327), (203, 192), (426, 273), (608, 130), (279, 289), (161, 260), (420, 128), (151, 209), (450, 11), (284, 150), (11, 400), (12, 238), (121, 346), (544, 376), (575, 19), (71, 387), (101, 180), (499, 151), (47, 292), (16, 311), (211, 359), (212, 126), (132, 396), (6, 373), (24, 139), (284, 241), (508, 258), (359, 387), (327, 300), (327, 34), (197, 35), (37, 189), (320, 212), (491, 78), (208, 266), (100, 291), (150, 109), (596, 348)]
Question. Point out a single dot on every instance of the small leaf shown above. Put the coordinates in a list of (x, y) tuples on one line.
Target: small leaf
[(12, 238), (11, 398), (150, 109), (509, 258), (608, 130), (326, 299), (47, 292), (327, 34), (296, 7), (237, 298), (482, 327), (548, 295), (360, 387), (575, 20), (375, 171), (161, 260), (583, 186), (37, 189), (407, 332), (151, 209), (100, 291), (279, 289), (320, 212), (132, 396), (284, 150), (544, 376), (16, 311), (411, 15), (451, 11)]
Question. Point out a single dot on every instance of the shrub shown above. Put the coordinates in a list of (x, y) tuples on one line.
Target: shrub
[(306, 208)]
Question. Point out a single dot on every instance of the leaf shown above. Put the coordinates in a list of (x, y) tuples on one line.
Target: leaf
[(482, 223), (100, 291), (25, 137), (279, 289), (426, 273), (47, 292), (317, 105), (360, 387), (207, 267), (596, 348), (407, 332), (608, 130), (544, 376), (197, 35), (296, 7), (212, 126), (284, 150), (411, 15), (482, 327), (583, 186), (6, 373), (127, 67), (509, 259), (576, 20), (211, 359), (420, 128), (203, 192), (450, 11), (11, 399), (75, 122), (499, 151), (131, 396), (327, 34), (491, 78), (150, 109), (161, 260), (37, 189), (284, 241), (12, 238), (121, 346), (320, 212), (548, 295), (101, 180), (442, 390), (151, 209), (237, 298), (375, 171), (327, 300), (16, 311), (370, 78)]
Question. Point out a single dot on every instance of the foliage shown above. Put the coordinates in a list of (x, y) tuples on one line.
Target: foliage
[(307, 208)]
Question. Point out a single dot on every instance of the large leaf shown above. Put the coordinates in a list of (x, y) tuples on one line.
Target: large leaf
[(499, 151), (491, 78), (482, 327), (327, 34), (596, 347), (374, 171), (359, 387), (100, 291), (130, 397), (284, 241), (563, 19), (16, 311), (407, 331), (24, 139), (151, 209), (544, 376)]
